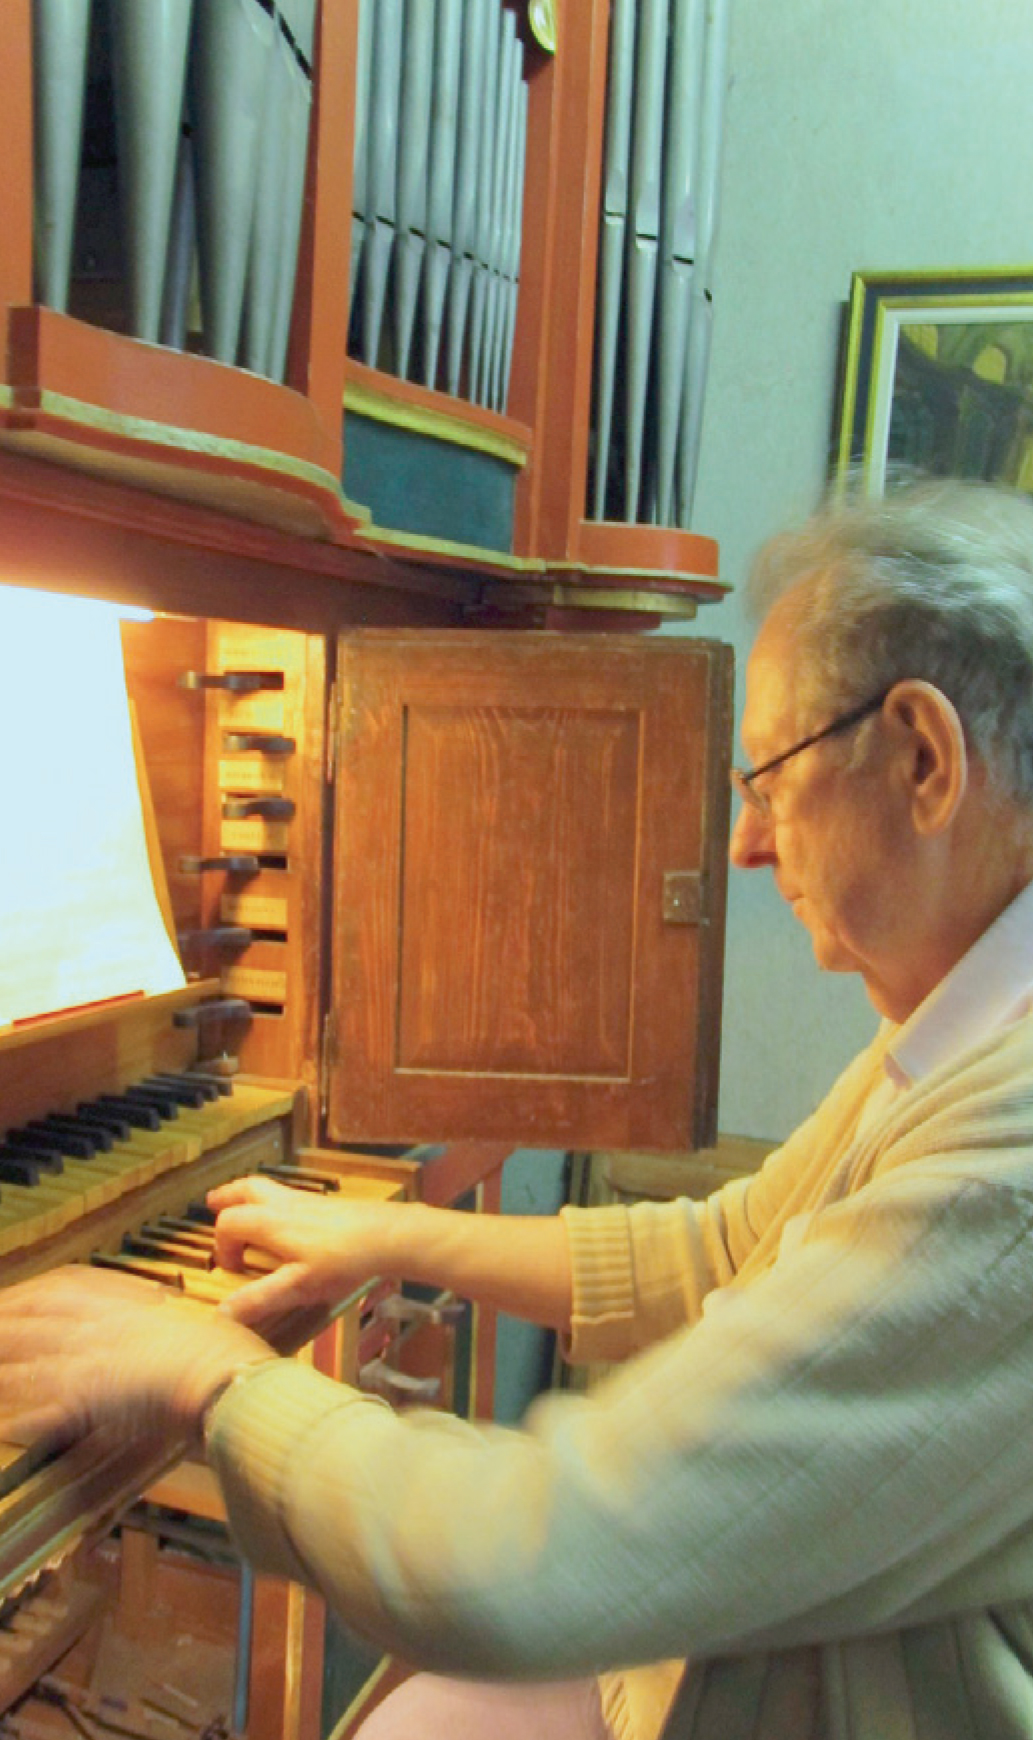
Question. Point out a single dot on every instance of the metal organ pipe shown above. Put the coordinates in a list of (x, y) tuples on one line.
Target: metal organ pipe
[(297, 48), (471, 102), (664, 127), (613, 226), (413, 149), (212, 105), (233, 53), (440, 144), (360, 175), (441, 191), (382, 183), (697, 361), (149, 46), (485, 186), (60, 40)]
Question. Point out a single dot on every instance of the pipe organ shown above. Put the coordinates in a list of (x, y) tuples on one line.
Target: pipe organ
[(400, 776), (210, 105), (658, 225), (440, 148)]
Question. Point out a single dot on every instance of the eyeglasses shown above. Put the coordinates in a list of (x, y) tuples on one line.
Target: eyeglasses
[(759, 801)]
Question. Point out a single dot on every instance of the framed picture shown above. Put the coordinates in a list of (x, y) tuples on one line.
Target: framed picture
[(938, 375)]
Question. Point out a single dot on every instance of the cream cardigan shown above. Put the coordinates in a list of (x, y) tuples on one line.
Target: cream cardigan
[(812, 1477)]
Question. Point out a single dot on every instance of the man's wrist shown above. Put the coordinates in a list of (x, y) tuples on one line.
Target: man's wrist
[(231, 1381)]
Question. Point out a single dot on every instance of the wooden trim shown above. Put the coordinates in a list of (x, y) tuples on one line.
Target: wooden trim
[(369, 393), (319, 338), (565, 158), (116, 430), (67, 532), (716, 824), (95, 1015), (484, 1351), (658, 551), (169, 395), (461, 1167), (17, 191)]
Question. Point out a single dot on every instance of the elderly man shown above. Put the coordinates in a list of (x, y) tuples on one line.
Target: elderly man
[(811, 1478)]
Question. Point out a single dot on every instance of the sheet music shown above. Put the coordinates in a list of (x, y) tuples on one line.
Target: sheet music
[(79, 919)]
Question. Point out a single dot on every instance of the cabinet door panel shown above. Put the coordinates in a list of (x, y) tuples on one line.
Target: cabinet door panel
[(508, 809)]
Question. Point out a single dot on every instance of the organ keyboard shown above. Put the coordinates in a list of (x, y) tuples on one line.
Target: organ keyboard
[(57, 1206), (110, 1136)]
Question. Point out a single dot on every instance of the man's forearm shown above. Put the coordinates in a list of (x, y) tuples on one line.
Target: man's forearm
[(521, 1264)]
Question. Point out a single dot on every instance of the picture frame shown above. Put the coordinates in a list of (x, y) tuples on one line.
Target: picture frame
[(937, 376)]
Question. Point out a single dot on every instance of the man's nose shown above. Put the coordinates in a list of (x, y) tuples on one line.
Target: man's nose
[(752, 844)]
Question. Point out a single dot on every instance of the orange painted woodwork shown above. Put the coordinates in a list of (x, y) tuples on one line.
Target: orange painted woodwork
[(556, 319)]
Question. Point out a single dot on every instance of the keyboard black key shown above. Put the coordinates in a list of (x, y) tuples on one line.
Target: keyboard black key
[(102, 1139), (164, 1104), (201, 1213), (223, 1084), (187, 1091), (47, 1157), (118, 1128), (168, 1250), (133, 1112), (191, 1232), (70, 1142), (18, 1168)]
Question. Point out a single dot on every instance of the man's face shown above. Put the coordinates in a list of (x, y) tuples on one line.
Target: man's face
[(829, 841)]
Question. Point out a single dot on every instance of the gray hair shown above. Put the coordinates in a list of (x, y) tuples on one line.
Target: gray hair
[(934, 580)]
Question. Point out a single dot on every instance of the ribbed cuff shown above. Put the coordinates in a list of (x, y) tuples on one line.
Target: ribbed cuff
[(603, 1284), (253, 1436)]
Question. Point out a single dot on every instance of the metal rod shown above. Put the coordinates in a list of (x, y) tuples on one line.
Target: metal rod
[(149, 44), (182, 252), (678, 235), (441, 187), (268, 223), (60, 40), (616, 169), (360, 178), (233, 48), (383, 169), (646, 162), (510, 63), (485, 186), (715, 78), (413, 150), (299, 119), (471, 104), (516, 215)]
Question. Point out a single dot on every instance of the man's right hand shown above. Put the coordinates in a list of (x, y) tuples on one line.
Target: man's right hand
[(323, 1247)]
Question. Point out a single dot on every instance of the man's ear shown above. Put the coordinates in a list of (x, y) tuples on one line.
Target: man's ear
[(931, 757)]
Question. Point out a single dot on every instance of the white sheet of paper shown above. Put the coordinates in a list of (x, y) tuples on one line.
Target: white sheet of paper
[(79, 919)]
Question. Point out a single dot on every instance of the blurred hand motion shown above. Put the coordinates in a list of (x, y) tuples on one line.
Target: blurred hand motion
[(87, 1350)]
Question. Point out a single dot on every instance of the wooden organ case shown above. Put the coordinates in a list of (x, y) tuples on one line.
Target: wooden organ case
[(441, 831)]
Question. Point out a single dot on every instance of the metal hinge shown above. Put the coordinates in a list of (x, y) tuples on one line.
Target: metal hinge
[(685, 897)]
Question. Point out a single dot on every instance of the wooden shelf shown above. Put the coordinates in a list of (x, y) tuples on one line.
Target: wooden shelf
[(108, 1014)]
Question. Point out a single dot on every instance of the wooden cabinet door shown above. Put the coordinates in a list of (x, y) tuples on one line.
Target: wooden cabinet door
[(528, 888)]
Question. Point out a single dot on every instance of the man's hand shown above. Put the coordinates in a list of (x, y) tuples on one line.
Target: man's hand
[(85, 1350), (324, 1246), (328, 1246)]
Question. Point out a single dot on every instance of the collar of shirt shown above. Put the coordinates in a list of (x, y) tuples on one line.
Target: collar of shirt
[(991, 986)]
